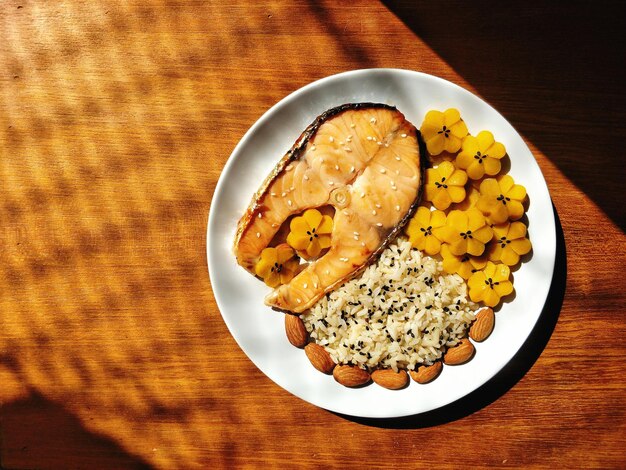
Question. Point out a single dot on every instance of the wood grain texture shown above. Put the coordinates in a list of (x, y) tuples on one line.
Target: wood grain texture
[(116, 119)]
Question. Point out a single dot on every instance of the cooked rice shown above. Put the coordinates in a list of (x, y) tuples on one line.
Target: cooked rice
[(402, 312)]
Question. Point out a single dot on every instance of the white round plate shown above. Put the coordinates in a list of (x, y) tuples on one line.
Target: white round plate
[(259, 331)]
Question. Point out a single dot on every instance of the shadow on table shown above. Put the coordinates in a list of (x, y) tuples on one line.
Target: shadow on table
[(551, 68), (47, 436), (514, 370)]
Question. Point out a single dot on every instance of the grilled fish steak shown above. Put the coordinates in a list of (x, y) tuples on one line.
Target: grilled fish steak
[(364, 159)]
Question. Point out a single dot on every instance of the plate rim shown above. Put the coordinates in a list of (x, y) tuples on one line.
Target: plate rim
[(269, 114)]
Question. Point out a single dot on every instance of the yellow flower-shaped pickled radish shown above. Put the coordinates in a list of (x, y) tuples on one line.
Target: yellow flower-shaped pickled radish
[(509, 243), (501, 199), (423, 230), (481, 155), (310, 233), (490, 284), (466, 232), (277, 265), (464, 265), (471, 198), (443, 131), (444, 185)]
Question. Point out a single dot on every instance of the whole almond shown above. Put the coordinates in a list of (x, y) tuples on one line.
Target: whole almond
[(351, 376), (390, 379), (425, 374), (483, 325), (460, 353), (296, 331), (319, 357)]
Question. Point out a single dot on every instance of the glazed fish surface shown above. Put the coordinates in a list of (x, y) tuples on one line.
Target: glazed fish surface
[(364, 160)]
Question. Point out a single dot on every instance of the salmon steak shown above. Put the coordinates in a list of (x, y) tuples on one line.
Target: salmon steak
[(363, 161)]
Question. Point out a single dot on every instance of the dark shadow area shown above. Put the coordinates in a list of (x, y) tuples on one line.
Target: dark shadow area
[(561, 62), (41, 434), (512, 373)]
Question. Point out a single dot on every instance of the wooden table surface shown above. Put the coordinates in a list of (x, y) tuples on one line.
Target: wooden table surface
[(116, 119)]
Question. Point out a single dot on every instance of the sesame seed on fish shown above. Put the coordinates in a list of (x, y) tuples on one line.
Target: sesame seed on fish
[(306, 177), (373, 120), (383, 171), (289, 202), (403, 135), (258, 235), (379, 224), (331, 138)]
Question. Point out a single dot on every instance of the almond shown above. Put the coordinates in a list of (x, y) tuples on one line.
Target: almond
[(296, 331), (390, 379), (319, 357), (483, 325), (425, 374), (351, 376), (460, 353)]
